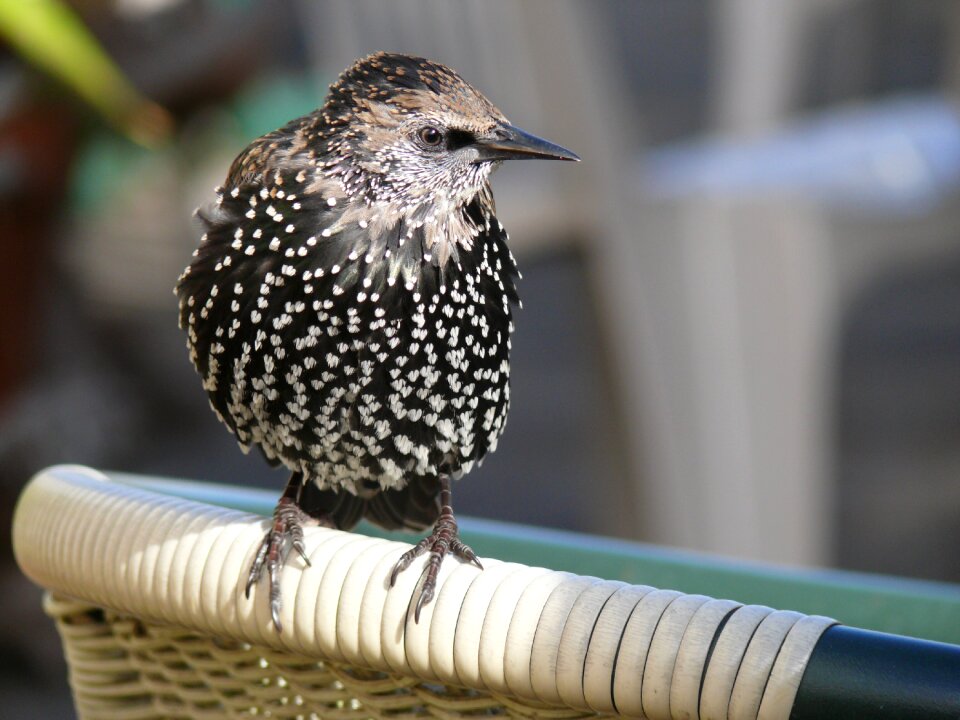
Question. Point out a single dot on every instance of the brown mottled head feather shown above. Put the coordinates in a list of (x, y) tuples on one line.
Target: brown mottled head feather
[(409, 85)]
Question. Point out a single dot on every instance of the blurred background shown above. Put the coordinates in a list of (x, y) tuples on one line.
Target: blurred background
[(741, 323)]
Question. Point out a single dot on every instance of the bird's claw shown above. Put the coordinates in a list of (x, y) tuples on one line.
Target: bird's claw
[(287, 530), (444, 539)]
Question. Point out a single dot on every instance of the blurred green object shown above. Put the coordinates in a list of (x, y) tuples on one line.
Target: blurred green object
[(51, 36), (271, 102), (107, 163)]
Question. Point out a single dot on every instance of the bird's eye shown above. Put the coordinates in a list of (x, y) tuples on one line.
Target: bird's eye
[(430, 136)]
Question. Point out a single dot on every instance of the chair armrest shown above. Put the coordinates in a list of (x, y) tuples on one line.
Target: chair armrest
[(538, 639)]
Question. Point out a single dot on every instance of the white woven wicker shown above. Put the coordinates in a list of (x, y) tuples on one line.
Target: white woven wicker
[(147, 593)]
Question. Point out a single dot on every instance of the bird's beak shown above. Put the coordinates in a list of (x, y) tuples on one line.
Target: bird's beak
[(511, 143)]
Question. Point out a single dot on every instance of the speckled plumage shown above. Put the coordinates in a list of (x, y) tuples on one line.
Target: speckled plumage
[(349, 308)]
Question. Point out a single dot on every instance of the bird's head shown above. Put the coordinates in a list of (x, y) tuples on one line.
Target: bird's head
[(413, 133)]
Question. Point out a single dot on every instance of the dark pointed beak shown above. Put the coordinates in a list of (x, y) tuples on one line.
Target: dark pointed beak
[(511, 143)]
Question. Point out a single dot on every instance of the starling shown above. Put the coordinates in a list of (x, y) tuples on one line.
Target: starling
[(349, 307)]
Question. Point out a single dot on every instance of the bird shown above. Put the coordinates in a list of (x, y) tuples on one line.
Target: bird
[(349, 306)]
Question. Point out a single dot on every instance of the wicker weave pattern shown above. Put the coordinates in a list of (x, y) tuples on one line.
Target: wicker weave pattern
[(121, 667)]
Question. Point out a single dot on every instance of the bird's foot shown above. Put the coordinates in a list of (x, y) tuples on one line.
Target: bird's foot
[(286, 532), (444, 539)]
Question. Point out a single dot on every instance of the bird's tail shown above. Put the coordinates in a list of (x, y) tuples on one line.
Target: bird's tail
[(414, 507)]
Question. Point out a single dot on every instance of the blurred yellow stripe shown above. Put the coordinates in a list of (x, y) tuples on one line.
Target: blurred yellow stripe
[(50, 35)]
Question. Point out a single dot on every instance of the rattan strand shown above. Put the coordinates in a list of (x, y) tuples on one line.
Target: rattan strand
[(125, 668)]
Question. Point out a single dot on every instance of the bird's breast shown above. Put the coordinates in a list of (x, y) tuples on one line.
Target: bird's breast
[(347, 349)]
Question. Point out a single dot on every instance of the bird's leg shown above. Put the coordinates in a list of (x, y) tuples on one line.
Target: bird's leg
[(444, 539), (287, 528)]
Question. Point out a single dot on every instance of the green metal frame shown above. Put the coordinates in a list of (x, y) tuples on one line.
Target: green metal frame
[(921, 609)]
